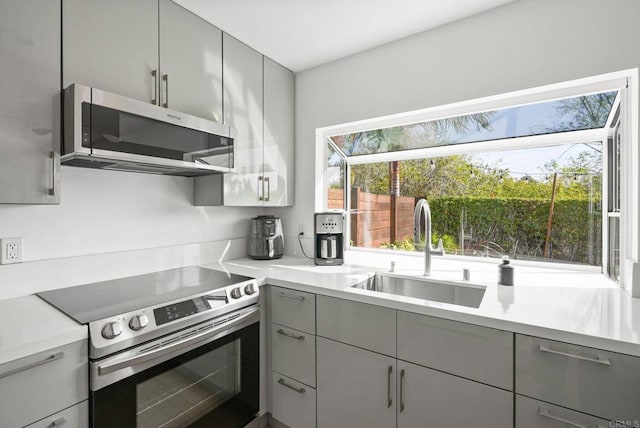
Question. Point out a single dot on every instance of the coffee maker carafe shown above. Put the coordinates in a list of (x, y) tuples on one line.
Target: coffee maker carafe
[(329, 239)]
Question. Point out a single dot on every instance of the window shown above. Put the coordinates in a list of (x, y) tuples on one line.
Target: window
[(535, 176)]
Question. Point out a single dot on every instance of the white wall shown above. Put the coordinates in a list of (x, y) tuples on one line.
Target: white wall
[(523, 44), (111, 211)]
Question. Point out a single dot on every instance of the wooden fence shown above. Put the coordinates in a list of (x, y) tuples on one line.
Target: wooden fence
[(371, 215)]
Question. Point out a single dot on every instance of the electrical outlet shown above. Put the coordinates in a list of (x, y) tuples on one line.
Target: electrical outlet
[(10, 250)]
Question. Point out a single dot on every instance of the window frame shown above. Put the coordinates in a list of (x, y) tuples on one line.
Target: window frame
[(626, 82)]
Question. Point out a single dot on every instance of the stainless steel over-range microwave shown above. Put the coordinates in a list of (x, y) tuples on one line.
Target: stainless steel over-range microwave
[(109, 131)]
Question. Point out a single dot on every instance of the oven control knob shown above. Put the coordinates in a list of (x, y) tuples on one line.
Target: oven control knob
[(236, 293), (111, 330), (250, 289), (138, 322)]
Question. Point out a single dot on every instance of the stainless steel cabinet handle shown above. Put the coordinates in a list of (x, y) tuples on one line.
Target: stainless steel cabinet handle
[(389, 373), (49, 359), (55, 169), (165, 79), (598, 360), (401, 390), (154, 87), (57, 422), (545, 413), (298, 390), (291, 296), (260, 187), (293, 336), (268, 193)]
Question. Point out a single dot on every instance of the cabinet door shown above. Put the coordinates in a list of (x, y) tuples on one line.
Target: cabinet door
[(190, 63), (242, 68), (278, 134), (30, 83), (111, 45), (355, 387), (429, 398)]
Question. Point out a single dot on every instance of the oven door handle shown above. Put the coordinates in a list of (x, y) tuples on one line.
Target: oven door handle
[(179, 346)]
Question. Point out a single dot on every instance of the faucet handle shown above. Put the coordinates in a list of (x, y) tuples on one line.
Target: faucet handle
[(392, 266), (439, 250)]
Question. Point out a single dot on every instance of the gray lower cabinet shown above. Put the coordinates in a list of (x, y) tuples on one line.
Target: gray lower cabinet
[(355, 387), (44, 384), (531, 413), (430, 398), (294, 354), (293, 403), (30, 85), (359, 324), (583, 379), (293, 357), (474, 352), (73, 417)]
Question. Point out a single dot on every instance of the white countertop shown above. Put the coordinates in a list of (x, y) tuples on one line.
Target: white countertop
[(29, 325), (576, 306)]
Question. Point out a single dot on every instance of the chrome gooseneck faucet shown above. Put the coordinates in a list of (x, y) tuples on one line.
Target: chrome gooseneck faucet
[(423, 207)]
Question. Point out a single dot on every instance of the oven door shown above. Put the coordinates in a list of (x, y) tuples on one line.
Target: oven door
[(215, 383)]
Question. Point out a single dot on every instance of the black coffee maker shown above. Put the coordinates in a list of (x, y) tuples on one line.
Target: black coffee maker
[(329, 239)]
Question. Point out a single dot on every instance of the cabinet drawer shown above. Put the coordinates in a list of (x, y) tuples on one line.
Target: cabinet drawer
[(74, 417), (585, 379), (430, 398), (294, 309), (358, 324), (479, 353), (40, 385), (294, 353), (294, 404), (531, 413)]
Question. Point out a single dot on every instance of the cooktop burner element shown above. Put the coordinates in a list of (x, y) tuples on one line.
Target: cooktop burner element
[(127, 311)]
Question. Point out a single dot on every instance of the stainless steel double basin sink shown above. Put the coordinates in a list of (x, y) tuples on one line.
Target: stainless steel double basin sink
[(425, 288)]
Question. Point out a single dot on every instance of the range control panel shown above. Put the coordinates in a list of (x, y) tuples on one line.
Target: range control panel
[(329, 223), (140, 325)]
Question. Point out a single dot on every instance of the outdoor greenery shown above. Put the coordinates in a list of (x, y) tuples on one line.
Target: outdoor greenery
[(500, 212)]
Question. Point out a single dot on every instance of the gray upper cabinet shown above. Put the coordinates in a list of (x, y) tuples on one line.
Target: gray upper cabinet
[(30, 83), (190, 63), (150, 50), (111, 45), (258, 104), (278, 134)]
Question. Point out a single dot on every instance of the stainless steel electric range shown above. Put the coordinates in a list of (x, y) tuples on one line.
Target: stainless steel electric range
[(177, 348)]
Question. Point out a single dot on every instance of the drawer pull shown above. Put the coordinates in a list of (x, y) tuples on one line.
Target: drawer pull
[(57, 423), (298, 390), (291, 296), (599, 360), (389, 373), (293, 336), (545, 413), (401, 390), (49, 359)]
